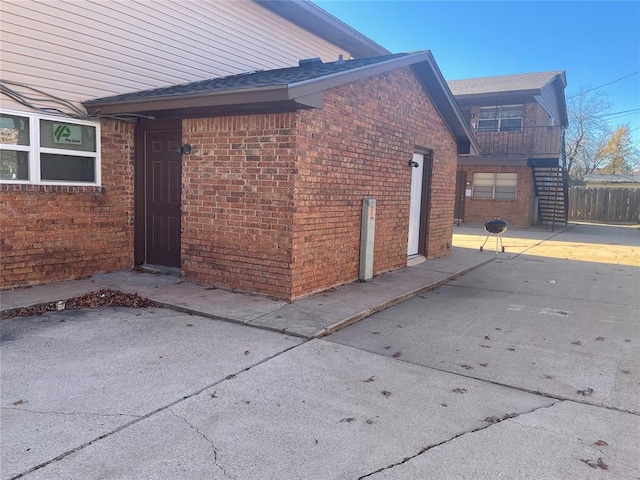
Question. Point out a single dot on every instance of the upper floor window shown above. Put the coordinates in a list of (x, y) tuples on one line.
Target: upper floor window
[(48, 150), (506, 118)]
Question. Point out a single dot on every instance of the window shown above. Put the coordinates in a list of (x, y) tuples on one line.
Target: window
[(500, 118), (498, 186), (48, 150)]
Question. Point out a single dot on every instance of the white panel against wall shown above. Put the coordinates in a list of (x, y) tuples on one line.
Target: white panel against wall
[(85, 49)]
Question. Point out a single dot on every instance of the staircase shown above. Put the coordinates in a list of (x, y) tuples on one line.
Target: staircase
[(552, 189)]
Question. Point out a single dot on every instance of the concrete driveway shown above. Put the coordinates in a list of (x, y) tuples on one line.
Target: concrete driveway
[(558, 318), (528, 366)]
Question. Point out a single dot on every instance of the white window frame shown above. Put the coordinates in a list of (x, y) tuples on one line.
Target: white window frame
[(35, 149), (493, 180), (498, 119)]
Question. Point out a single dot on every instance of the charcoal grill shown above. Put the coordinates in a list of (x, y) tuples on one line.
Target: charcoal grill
[(495, 227)]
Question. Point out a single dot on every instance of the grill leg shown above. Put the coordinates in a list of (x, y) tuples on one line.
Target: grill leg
[(485, 242)]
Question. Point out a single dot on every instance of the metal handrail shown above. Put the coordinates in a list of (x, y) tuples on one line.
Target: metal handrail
[(524, 141)]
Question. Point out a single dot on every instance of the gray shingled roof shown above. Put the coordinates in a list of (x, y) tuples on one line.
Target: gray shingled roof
[(266, 78), (611, 178), (504, 83)]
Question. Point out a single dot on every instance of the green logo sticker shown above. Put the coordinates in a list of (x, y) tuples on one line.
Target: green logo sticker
[(60, 132), (67, 134)]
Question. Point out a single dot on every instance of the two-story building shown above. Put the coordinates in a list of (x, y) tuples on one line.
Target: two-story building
[(519, 173), (236, 146)]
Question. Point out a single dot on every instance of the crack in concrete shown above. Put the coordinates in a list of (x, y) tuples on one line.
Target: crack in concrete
[(208, 440), (455, 437), (148, 415), (73, 413)]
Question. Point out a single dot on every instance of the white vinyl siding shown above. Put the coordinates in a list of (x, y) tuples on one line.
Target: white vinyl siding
[(48, 150), (498, 186), (79, 50)]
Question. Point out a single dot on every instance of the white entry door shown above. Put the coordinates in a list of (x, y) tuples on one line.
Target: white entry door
[(415, 208)]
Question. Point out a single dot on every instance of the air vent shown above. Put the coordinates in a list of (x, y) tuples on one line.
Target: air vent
[(310, 62)]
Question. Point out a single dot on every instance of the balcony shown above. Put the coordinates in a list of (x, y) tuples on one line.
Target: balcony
[(523, 142)]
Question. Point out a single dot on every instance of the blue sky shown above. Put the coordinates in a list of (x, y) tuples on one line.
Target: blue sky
[(594, 42)]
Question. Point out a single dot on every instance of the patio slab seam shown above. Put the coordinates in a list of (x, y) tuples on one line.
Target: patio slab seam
[(140, 418)]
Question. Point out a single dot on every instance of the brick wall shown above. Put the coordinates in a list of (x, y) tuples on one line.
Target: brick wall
[(53, 233), (237, 202), (272, 203), (358, 146), (518, 212)]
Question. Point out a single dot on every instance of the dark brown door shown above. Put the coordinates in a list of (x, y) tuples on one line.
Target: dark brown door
[(163, 173)]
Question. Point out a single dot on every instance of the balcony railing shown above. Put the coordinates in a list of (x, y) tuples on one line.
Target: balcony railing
[(527, 141)]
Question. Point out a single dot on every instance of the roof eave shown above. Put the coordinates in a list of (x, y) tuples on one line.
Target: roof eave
[(314, 19), (443, 100), (277, 93), (505, 93)]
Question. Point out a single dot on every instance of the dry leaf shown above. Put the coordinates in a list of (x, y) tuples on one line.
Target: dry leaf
[(397, 354), (586, 392), (492, 419), (370, 379), (602, 465), (101, 298), (229, 377), (19, 402), (483, 364), (589, 462), (486, 337), (510, 415), (601, 443)]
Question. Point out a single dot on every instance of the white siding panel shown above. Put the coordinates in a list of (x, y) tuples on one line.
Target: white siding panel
[(85, 49)]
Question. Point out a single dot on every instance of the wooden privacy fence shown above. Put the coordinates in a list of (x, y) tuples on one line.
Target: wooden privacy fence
[(609, 205)]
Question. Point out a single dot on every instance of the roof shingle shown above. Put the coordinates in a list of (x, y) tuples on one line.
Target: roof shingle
[(257, 79), (504, 83)]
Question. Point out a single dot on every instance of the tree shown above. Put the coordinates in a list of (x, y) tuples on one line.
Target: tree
[(620, 153), (588, 133)]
